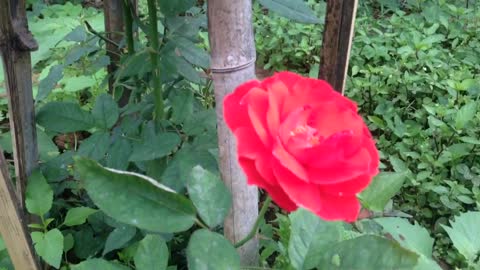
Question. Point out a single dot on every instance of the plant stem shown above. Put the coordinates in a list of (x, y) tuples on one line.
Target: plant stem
[(157, 90), (254, 229), (127, 14)]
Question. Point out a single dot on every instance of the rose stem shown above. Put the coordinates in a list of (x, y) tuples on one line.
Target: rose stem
[(254, 229)]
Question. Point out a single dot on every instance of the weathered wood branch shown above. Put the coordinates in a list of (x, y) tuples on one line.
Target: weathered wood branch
[(337, 42), (233, 58), (16, 42), (12, 227)]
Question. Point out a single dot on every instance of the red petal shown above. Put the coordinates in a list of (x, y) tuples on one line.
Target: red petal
[(310, 196), (235, 114), (347, 188), (254, 178), (331, 118), (277, 92), (289, 162), (334, 208), (248, 143), (257, 102)]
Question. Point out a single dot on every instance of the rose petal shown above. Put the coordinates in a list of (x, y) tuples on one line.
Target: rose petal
[(331, 118), (254, 178), (234, 113), (347, 188), (277, 92), (257, 103), (248, 143), (334, 208), (288, 161)]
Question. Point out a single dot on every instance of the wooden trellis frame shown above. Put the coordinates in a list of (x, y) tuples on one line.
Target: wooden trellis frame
[(16, 42), (231, 33)]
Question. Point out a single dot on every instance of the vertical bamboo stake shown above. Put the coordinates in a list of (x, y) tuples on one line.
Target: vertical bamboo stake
[(12, 227), (16, 42), (114, 25), (233, 62), (337, 42)]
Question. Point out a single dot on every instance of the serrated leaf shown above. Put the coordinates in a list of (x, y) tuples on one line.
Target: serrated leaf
[(64, 117), (95, 146), (464, 234), (192, 53), (119, 154), (152, 254), (77, 35), (383, 187), (48, 83), (173, 8), (98, 264), (209, 250), (155, 146), (182, 104), (49, 246), (380, 254), (310, 237), (465, 115), (78, 215), (157, 208), (119, 237), (209, 195), (296, 10), (412, 237), (105, 111), (39, 194)]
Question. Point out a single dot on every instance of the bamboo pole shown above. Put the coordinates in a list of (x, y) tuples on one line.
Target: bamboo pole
[(337, 42), (233, 62)]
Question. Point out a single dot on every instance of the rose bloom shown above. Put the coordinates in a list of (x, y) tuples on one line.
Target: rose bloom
[(302, 142)]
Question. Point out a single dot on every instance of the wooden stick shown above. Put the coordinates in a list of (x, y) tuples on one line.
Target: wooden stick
[(233, 62), (12, 227), (337, 42), (16, 42)]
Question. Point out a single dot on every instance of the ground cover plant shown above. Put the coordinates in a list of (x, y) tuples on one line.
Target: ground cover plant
[(107, 199)]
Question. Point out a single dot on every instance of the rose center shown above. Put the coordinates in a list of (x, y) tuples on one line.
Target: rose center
[(305, 136)]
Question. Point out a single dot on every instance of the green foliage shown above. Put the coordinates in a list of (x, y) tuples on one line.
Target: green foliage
[(413, 74), (157, 208), (209, 195), (209, 250)]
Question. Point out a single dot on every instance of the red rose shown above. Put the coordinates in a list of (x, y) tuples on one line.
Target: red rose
[(304, 143)]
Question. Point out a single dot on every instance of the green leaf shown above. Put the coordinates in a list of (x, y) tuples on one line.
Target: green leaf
[(465, 115), (48, 83), (64, 117), (296, 10), (86, 243), (366, 253), (77, 35), (209, 250), (310, 237), (46, 148), (119, 154), (192, 53), (78, 215), (39, 194), (119, 237), (155, 146), (68, 242), (412, 237), (98, 264), (157, 208), (152, 254), (49, 246), (95, 146), (464, 234), (383, 187), (182, 104), (209, 195), (173, 8), (105, 111)]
